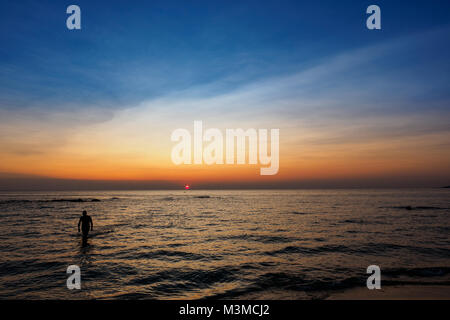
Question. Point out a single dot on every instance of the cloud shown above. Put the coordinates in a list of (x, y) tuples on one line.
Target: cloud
[(360, 96), (360, 88), (39, 131)]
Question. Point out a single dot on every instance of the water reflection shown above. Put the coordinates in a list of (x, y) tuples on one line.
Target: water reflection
[(227, 244)]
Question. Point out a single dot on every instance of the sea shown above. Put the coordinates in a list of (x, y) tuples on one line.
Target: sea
[(230, 244)]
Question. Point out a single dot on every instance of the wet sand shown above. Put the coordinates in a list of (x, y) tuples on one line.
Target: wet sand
[(395, 293)]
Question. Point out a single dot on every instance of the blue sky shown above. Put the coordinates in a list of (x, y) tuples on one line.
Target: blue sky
[(129, 52)]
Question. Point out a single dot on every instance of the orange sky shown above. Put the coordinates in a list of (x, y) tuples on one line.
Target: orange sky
[(109, 151)]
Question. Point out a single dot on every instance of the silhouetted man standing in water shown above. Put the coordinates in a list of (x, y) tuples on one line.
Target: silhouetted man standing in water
[(86, 224)]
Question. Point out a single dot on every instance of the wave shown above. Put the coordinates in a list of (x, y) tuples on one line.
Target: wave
[(418, 272), (27, 266), (178, 198), (288, 282), (171, 255), (177, 280), (415, 208), (309, 250), (272, 281), (362, 249), (13, 201), (257, 238), (357, 221), (74, 200), (167, 199)]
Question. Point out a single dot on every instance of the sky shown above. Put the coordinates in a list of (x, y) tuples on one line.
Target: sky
[(95, 108)]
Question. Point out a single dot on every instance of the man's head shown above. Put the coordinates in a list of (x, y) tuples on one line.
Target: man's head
[(84, 212)]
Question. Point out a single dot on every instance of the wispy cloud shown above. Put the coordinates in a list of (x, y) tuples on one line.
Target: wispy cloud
[(362, 96)]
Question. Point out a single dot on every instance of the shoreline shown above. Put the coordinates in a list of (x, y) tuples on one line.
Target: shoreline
[(396, 292), (401, 292)]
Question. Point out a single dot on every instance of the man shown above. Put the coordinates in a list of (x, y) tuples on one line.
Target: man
[(86, 224)]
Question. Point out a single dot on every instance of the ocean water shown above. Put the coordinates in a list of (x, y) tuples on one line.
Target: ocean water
[(290, 244)]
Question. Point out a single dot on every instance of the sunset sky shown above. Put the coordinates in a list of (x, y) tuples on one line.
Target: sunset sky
[(355, 107)]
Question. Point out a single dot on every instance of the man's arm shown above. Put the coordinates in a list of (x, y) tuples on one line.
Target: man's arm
[(79, 222), (92, 224)]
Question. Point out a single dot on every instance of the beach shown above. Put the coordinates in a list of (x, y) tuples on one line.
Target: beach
[(395, 293)]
